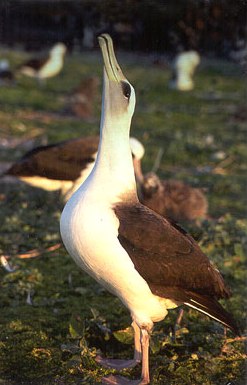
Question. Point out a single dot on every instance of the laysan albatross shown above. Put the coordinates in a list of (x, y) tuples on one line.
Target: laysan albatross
[(46, 67), (148, 263), (183, 70)]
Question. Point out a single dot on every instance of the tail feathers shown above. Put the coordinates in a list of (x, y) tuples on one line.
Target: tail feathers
[(205, 304), (212, 308)]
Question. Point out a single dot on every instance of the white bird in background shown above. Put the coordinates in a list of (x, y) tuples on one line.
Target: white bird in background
[(148, 263), (47, 67), (183, 70)]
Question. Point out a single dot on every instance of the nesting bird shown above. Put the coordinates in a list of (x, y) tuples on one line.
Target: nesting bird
[(150, 264), (47, 67), (183, 70), (64, 165), (172, 198)]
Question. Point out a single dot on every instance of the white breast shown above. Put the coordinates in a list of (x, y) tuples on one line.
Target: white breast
[(89, 229), (51, 68)]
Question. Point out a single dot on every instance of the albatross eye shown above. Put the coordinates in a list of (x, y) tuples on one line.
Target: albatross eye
[(126, 89)]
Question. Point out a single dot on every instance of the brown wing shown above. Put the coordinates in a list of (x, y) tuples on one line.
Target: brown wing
[(36, 64), (61, 161), (171, 262), (164, 254)]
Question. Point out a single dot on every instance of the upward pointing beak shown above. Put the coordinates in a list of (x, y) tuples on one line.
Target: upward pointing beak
[(113, 70)]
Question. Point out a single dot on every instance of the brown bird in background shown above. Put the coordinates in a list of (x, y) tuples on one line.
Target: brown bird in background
[(44, 67), (80, 102), (172, 198)]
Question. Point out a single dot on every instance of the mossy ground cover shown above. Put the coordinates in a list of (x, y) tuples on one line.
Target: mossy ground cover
[(54, 318)]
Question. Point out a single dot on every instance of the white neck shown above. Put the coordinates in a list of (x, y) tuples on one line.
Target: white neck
[(114, 166)]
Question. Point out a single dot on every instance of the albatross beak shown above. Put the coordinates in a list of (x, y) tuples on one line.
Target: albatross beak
[(113, 70), (118, 102)]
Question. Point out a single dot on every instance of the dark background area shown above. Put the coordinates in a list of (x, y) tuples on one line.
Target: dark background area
[(211, 27)]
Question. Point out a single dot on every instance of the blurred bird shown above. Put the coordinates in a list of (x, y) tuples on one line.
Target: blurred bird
[(183, 70), (44, 68), (6, 75), (80, 102)]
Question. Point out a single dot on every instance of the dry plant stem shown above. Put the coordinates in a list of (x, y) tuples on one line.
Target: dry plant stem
[(36, 252)]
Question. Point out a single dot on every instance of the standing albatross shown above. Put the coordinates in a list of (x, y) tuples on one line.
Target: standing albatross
[(46, 67), (133, 252), (183, 70)]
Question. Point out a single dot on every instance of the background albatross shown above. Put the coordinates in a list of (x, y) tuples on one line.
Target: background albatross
[(133, 252), (46, 67), (65, 165)]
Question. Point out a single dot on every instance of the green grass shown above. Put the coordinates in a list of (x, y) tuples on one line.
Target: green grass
[(55, 340)]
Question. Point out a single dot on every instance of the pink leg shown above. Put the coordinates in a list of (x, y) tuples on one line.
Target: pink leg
[(118, 380), (122, 364), (145, 357)]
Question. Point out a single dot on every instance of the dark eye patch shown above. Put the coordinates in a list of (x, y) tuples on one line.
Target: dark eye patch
[(126, 89)]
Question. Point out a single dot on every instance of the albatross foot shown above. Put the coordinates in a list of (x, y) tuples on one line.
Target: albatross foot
[(115, 363), (119, 380)]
